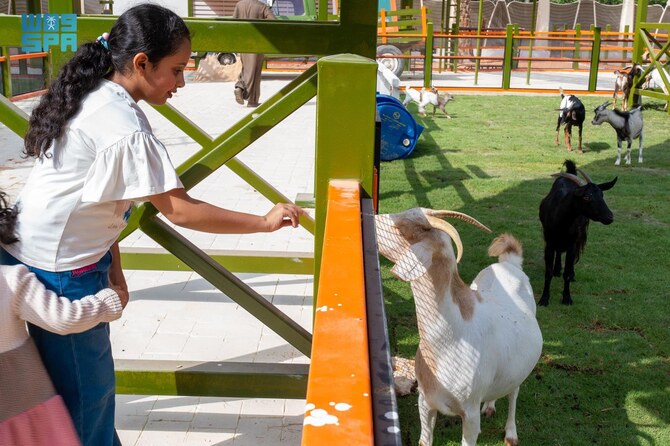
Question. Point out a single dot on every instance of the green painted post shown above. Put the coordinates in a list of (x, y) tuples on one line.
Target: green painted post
[(6, 73), (576, 54), (507, 58), (640, 17), (345, 132), (478, 45), (531, 41), (453, 51), (428, 60), (595, 60), (58, 58), (638, 43), (34, 6)]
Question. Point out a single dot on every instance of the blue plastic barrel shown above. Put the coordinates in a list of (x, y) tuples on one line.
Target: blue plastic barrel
[(399, 130)]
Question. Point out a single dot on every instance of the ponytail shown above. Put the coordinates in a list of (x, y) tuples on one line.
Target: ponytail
[(78, 77)]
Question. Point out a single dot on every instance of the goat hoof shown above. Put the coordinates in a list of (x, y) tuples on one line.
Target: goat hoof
[(544, 302), (567, 301), (617, 162), (511, 441)]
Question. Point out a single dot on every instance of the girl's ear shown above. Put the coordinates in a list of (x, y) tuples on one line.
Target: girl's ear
[(140, 63)]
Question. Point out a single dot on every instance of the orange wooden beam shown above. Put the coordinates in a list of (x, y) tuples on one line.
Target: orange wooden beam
[(339, 404)]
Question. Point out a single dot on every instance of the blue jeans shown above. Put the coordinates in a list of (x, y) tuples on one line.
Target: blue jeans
[(80, 365)]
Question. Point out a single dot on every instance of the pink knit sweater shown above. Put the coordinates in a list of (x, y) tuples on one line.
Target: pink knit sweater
[(26, 392)]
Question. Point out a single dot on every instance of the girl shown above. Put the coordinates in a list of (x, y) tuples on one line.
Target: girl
[(30, 411), (96, 154)]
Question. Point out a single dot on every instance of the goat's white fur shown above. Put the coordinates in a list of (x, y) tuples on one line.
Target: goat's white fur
[(477, 343), (425, 97), (655, 77)]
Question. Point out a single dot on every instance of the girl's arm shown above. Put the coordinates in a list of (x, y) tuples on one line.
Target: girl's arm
[(32, 302), (183, 210), (116, 278)]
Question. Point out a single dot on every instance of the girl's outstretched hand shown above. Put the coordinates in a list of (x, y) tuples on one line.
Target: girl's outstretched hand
[(283, 214)]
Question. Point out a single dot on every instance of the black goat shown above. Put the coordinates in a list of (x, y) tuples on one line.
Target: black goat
[(571, 112), (565, 213)]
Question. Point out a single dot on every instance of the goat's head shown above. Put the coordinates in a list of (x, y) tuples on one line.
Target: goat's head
[(589, 198), (601, 114), (411, 238)]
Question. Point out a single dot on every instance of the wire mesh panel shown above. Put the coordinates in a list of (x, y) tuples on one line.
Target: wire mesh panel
[(487, 11), (562, 15), (659, 14), (521, 14), (608, 15), (585, 14)]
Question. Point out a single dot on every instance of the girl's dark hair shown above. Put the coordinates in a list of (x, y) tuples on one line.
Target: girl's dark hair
[(7, 220), (146, 28)]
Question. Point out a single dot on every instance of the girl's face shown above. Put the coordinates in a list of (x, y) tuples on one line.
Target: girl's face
[(163, 79)]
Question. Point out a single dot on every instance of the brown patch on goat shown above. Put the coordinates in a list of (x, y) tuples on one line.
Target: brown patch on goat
[(464, 297), (412, 231), (505, 244), (430, 384), (444, 276)]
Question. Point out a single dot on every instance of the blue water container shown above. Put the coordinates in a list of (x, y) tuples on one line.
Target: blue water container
[(399, 130)]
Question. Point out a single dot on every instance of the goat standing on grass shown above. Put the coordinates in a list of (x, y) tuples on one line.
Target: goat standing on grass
[(628, 126), (623, 83), (656, 77), (571, 112), (565, 213), (477, 343), (425, 97)]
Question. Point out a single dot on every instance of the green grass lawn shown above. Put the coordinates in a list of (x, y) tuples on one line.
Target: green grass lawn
[(604, 374)]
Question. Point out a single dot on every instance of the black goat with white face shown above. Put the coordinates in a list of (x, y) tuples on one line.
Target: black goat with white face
[(565, 214)]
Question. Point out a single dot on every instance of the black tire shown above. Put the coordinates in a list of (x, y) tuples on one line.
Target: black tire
[(226, 58), (386, 54)]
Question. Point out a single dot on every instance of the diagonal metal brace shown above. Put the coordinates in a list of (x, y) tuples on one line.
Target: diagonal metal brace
[(228, 284)]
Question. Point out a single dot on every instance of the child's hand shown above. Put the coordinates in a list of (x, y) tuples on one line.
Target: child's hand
[(123, 294), (283, 214)]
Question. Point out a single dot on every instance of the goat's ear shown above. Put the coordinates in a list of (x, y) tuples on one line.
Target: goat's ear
[(609, 185), (413, 263)]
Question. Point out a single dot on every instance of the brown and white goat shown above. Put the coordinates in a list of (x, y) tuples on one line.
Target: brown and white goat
[(425, 97), (477, 343), (623, 82)]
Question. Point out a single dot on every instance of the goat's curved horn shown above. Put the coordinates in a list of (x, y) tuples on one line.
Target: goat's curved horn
[(451, 231), (459, 216), (585, 176), (570, 176)]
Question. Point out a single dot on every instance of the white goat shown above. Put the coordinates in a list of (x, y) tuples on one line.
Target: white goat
[(655, 80), (425, 97), (477, 343)]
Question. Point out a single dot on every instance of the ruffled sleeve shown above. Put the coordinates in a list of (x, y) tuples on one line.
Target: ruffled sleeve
[(133, 168)]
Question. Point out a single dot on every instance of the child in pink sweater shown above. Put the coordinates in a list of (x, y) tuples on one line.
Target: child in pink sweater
[(31, 413)]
